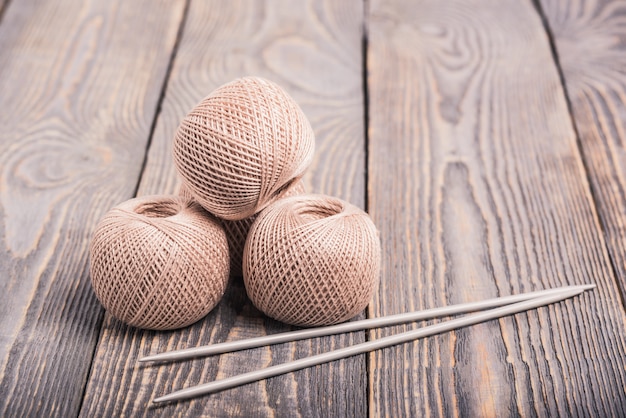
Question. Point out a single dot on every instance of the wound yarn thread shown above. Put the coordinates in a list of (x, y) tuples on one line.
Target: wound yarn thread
[(311, 260), (239, 148), (237, 231), (159, 262)]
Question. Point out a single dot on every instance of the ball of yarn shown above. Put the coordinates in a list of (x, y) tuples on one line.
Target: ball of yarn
[(311, 260), (237, 231), (242, 146), (159, 262)]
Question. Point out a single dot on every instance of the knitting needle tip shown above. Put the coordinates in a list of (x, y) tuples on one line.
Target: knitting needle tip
[(165, 398)]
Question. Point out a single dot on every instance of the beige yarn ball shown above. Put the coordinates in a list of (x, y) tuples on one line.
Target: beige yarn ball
[(242, 146), (237, 231), (311, 260), (159, 262)]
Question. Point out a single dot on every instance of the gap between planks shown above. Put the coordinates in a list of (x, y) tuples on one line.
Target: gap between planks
[(157, 112), (366, 197), (159, 106), (4, 4), (579, 146)]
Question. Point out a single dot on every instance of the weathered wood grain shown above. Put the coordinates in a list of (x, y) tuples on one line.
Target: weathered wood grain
[(78, 92), (590, 38), (313, 50), (479, 190)]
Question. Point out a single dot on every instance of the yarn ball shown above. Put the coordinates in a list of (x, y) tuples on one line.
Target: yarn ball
[(237, 231), (159, 262), (242, 146), (311, 260)]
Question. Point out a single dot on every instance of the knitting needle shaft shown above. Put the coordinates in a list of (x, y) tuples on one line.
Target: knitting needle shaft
[(404, 337), (385, 321)]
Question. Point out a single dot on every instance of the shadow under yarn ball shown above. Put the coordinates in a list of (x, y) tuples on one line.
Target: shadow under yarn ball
[(311, 260), (239, 148), (159, 262)]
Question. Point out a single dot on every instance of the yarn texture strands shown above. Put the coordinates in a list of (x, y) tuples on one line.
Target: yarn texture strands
[(237, 231), (312, 260), (242, 146), (159, 262)]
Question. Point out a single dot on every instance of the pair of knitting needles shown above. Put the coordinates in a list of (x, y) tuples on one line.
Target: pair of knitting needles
[(498, 307)]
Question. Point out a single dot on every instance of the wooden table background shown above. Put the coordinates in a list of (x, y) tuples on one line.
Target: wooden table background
[(484, 137)]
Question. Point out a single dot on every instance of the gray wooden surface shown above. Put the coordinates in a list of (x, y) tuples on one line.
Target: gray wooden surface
[(484, 137)]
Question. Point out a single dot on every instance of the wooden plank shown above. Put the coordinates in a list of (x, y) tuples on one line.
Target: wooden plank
[(590, 38), (313, 50), (479, 191), (78, 93)]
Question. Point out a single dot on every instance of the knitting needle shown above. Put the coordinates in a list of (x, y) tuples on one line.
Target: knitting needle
[(385, 321), (365, 347)]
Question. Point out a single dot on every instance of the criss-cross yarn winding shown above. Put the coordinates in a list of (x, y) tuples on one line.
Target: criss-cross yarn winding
[(237, 231), (311, 260), (242, 146), (159, 262)]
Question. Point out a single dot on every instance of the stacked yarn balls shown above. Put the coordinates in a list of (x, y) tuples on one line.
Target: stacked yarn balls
[(163, 262)]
